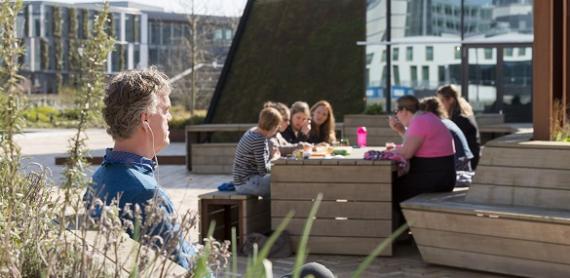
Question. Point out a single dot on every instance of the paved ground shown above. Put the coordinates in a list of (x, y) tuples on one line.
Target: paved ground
[(42, 146)]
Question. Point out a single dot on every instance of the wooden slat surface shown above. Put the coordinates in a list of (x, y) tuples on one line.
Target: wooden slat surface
[(342, 245), (213, 149), (212, 169), (331, 191), (225, 195), (348, 174), (340, 228), (332, 209), (484, 262), (531, 158), (126, 256), (213, 160), (523, 249), (520, 196), (498, 227), (540, 178)]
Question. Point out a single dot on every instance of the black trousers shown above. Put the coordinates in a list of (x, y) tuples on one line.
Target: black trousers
[(426, 175)]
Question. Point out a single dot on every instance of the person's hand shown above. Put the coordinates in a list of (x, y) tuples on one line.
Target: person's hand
[(306, 128), (276, 154), (396, 125)]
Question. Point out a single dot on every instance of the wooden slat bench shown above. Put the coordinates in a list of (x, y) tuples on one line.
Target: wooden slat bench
[(515, 218), (356, 212), (230, 209)]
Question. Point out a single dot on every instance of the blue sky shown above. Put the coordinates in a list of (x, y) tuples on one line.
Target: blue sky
[(211, 7)]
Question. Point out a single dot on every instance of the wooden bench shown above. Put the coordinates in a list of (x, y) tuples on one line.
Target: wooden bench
[(230, 209), (493, 126), (515, 218), (125, 257), (206, 157), (356, 212)]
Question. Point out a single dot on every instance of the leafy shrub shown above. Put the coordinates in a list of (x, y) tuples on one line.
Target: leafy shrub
[(374, 109)]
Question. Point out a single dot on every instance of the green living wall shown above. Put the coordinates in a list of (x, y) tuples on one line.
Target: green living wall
[(293, 50)]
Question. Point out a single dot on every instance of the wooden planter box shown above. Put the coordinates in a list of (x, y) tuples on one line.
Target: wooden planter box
[(356, 212), (213, 158), (515, 218)]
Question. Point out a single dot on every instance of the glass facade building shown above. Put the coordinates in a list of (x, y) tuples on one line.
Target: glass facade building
[(144, 36), (482, 46)]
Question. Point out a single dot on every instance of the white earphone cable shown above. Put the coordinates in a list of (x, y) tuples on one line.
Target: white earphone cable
[(154, 153)]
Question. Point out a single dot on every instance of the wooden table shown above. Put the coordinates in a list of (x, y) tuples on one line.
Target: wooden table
[(356, 212)]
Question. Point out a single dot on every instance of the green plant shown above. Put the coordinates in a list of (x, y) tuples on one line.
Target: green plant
[(89, 98), (374, 109), (11, 98)]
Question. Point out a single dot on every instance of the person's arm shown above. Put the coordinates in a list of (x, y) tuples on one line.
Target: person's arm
[(410, 146), (262, 163)]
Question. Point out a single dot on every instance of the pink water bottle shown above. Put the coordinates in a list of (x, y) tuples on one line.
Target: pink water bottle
[(361, 134)]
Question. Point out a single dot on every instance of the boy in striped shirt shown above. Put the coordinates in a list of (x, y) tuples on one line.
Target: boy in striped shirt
[(252, 162)]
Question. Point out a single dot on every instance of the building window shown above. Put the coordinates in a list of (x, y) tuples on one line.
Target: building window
[(383, 57), (395, 54), (396, 71), (414, 75), (409, 53), (155, 32), (509, 52), (429, 53), (153, 56), (425, 73), (488, 53), (48, 21), (457, 52), (441, 74), (522, 51), (166, 33)]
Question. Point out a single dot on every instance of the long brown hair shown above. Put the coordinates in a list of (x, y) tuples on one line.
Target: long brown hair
[(327, 129), (460, 105)]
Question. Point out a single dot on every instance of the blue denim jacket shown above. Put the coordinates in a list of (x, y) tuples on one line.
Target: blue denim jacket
[(132, 177)]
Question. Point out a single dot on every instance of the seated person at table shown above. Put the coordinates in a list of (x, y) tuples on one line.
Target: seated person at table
[(137, 110), (322, 123), (461, 113), (252, 164), (428, 146), (463, 154), (277, 144), (298, 130)]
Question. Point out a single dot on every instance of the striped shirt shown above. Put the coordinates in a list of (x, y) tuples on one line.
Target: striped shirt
[(252, 157)]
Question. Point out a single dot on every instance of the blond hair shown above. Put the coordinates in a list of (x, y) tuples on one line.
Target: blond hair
[(128, 95), (269, 119)]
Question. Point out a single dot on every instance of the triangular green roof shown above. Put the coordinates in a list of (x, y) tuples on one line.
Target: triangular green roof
[(289, 50)]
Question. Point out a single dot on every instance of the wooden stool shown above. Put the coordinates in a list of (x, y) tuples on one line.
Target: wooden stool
[(230, 209)]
